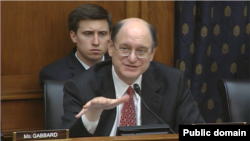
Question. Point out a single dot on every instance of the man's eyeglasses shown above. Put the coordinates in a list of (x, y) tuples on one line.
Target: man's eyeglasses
[(141, 52)]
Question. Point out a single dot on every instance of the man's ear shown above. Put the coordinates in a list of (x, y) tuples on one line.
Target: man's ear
[(73, 36), (110, 47)]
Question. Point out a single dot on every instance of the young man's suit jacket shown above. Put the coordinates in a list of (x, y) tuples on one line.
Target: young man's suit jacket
[(63, 69), (164, 90)]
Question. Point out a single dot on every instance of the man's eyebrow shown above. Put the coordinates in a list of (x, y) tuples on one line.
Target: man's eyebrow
[(103, 32), (87, 31), (124, 44), (141, 46)]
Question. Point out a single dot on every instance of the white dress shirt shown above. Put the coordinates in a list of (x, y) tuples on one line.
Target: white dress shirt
[(83, 64), (120, 90)]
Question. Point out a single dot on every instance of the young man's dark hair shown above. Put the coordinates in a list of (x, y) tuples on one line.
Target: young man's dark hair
[(88, 12)]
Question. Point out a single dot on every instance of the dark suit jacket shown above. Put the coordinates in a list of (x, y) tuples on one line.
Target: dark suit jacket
[(164, 90), (63, 69)]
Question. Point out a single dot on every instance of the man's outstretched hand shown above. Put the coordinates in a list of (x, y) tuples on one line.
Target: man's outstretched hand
[(94, 107)]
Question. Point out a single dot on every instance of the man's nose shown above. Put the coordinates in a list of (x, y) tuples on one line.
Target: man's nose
[(95, 40), (132, 57)]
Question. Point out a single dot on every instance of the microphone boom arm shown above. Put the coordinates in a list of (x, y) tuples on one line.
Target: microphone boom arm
[(138, 90)]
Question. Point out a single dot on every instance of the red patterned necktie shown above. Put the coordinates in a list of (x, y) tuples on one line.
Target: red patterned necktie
[(128, 116)]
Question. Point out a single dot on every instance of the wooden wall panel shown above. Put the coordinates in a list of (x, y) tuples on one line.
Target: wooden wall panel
[(35, 33), (20, 87), (161, 15), (20, 115), (133, 9)]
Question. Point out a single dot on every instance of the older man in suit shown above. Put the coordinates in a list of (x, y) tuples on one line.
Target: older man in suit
[(94, 101)]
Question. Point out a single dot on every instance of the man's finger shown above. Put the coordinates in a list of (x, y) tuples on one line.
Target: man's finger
[(122, 99), (114, 102), (96, 102), (83, 111), (87, 105)]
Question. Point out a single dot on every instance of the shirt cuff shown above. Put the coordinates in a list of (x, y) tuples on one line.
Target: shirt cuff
[(90, 126)]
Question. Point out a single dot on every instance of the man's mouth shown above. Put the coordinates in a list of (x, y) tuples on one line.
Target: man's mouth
[(130, 66), (95, 50)]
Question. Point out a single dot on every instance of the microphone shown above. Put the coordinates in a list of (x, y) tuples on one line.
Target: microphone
[(138, 90)]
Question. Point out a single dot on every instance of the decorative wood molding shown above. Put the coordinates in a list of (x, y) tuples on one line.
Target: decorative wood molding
[(17, 87), (12, 83), (18, 95), (21, 115)]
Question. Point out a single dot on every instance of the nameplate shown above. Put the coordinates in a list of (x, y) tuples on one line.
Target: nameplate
[(41, 135)]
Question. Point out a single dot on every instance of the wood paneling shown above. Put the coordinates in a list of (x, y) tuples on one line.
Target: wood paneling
[(22, 106), (35, 33), (20, 87), (19, 83), (22, 115), (161, 15), (133, 9)]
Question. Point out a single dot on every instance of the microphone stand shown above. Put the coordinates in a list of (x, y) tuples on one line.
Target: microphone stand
[(138, 90)]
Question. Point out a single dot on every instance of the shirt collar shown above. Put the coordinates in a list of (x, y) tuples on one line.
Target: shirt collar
[(83, 64), (121, 87)]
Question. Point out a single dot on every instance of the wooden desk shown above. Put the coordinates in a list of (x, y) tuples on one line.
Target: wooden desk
[(162, 137)]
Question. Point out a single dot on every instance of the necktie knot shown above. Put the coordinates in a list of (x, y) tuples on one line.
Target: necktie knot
[(130, 91)]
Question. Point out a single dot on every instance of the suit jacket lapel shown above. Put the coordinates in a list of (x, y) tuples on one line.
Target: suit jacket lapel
[(75, 66), (106, 89), (150, 94)]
